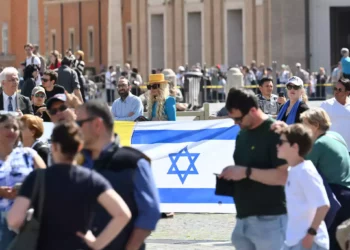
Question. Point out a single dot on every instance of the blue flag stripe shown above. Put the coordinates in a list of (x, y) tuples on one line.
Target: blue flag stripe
[(180, 136), (192, 195)]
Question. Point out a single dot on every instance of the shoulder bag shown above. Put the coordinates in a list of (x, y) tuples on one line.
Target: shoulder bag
[(28, 236)]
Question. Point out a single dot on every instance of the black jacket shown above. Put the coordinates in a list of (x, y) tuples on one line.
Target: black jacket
[(23, 102)]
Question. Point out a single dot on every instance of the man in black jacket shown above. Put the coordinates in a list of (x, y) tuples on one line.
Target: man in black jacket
[(127, 169), (10, 99)]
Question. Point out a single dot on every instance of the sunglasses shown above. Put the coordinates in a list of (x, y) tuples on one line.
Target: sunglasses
[(281, 142), (338, 90), (239, 119), (44, 80), (81, 122), (153, 86), (40, 95), (291, 86), (61, 108)]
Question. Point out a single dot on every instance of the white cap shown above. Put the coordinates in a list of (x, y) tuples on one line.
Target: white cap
[(298, 65), (344, 50), (181, 68), (295, 81)]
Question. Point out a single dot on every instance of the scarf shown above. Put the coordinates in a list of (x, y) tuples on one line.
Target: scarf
[(292, 114)]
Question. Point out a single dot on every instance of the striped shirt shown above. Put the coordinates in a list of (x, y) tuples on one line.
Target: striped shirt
[(122, 108)]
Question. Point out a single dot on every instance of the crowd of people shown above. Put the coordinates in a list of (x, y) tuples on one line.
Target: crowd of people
[(290, 181)]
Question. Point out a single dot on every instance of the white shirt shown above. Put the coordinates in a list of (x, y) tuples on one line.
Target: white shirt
[(305, 193), (109, 78), (340, 118), (6, 101), (35, 61)]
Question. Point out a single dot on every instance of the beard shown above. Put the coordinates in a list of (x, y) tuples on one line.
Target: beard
[(123, 94)]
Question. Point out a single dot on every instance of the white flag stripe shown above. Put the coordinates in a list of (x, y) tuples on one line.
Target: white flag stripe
[(184, 125)]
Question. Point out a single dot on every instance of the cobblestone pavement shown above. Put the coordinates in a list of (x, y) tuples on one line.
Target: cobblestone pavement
[(193, 232)]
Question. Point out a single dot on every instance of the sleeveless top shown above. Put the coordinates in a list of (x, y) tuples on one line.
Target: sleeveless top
[(14, 170)]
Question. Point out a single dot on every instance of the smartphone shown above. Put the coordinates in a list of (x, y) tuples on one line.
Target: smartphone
[(281, 94)]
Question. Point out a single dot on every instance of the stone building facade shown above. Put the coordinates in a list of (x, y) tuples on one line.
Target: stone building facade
[(170, 33)]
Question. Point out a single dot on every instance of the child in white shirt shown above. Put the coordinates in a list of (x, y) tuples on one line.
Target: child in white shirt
[(307, 201)]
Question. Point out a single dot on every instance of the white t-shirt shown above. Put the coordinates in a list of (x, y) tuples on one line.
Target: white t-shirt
[(35, 60), (305, 193), (340, 118)]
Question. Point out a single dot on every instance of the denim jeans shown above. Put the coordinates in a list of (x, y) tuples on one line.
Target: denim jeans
[(260, 232), (300, 247), (6, 236)]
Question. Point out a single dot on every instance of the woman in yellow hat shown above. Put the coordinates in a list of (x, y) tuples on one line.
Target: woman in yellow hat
[(161, 106)]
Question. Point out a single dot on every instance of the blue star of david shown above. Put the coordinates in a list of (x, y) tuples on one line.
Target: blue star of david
[(182, 174)]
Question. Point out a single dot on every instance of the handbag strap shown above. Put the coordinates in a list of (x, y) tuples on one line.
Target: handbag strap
[(39, 191)]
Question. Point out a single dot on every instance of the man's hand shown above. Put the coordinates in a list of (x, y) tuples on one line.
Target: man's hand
[(131, 114), (72, 100), (20, 114), (41, 110), (278, 126), (281, 100), (8, 193), (235, 173), (307, 241)]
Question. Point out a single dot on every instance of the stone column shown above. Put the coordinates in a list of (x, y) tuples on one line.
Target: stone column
[(33, 35), (234, 79), (115, 31)]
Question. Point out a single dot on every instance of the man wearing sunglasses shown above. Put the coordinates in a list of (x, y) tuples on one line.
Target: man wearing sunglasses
[(58, 109), (38, 100), (259, 176), (49, 84), (338, 109)]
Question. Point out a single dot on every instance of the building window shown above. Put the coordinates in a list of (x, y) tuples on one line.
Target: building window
[(91, 43), (5, 39), (129, 41), (71, 39)]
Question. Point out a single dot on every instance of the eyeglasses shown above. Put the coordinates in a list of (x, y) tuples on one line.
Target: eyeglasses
[(122, 86), (291, 86), (44, 80), (153, 86), (239, 119), (81, 122), (40, 95), (337, 90), (282, 141), (61, 108)]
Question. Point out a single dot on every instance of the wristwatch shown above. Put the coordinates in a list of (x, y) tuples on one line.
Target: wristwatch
[(312, 231), (248, 172)]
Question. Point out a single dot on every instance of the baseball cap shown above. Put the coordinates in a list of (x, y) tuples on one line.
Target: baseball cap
[(298, 65), (57, 97), (181, 68), (38, 89), (295, 81), (344, 50)]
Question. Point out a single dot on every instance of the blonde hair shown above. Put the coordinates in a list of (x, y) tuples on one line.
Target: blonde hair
[(81, 54), (160, 99), (304, 97), (317, 117)]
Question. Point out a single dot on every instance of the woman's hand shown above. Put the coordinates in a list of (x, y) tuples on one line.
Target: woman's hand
[(278, 126), (8, 193), (89, 239)]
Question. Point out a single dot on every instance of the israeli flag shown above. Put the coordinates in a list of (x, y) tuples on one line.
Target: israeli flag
[(185, 155)]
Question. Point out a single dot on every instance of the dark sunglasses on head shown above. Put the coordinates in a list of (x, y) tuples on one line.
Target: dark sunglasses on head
[(291, 86), (40, 95), (81, 122), (61, 108), (281, 141), (153, 86), (44, 80), (338, 90)]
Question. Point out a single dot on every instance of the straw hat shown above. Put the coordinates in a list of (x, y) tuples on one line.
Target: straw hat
[(156, 78)]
